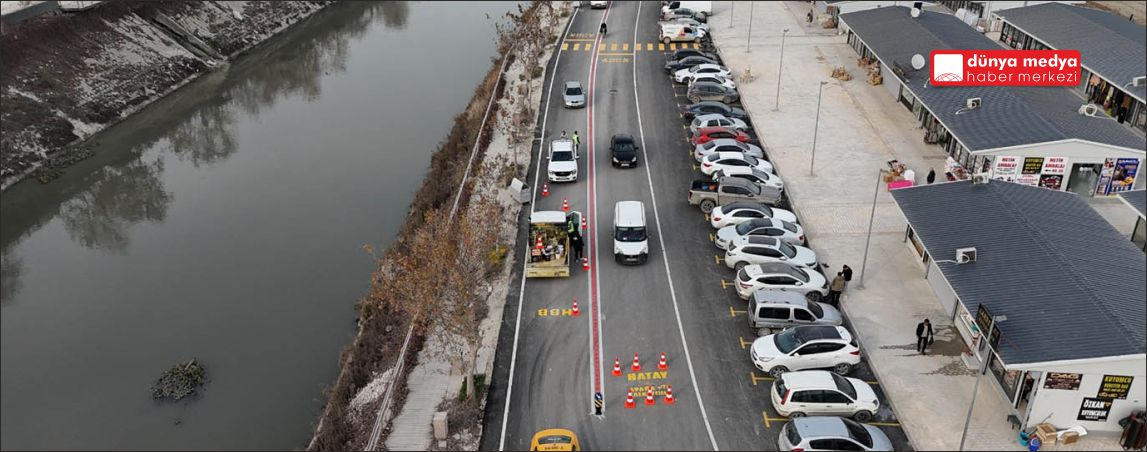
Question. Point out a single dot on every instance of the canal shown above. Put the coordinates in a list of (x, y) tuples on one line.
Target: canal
[(226, 222)]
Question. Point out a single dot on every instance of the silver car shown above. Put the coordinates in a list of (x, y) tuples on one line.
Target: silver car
[(574, 95), (831, 433)]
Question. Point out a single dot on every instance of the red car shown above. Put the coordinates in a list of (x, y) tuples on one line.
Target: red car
[(707, 134)]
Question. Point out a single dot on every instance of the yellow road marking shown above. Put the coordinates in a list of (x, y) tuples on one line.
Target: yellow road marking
[(743, 343), (661, 46), (673, 46), (577, 46), (565, 46), (718, 259), (696, 45), (725, 284), (649, 46), (712, 238), (774, 419), (613, 47), (625, 47), (733, 312), (755, 378), (706, 215)]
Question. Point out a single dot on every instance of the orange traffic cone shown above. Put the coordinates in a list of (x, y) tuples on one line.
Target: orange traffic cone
[(565, 205), (616, 366), (669, 395), (545, 189), (629, 403), (636, 364), (539, 244), (649, 400), (585, 263), (584, 225), (575, 311), (662, 365)]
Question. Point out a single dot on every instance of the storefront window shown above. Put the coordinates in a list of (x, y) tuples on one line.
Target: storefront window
[(1139, 235), (1009, 379)]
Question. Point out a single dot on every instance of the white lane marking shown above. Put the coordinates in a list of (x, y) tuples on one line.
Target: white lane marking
[(661, 242), (533, 201), (595, 282)]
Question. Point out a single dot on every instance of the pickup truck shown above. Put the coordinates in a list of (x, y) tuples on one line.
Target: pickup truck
[(709, 194)]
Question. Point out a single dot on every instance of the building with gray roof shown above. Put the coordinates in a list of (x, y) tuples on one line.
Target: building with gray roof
[(1137, 201)]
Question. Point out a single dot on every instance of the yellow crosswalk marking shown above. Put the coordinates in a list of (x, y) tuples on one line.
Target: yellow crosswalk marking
[(565, 46), (613, 47), (661, 47), (625, 47), (649, 47), (577, 46)]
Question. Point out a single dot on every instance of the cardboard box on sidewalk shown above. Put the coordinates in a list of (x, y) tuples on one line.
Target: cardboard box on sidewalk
[(1046, 434), (1070, 437)]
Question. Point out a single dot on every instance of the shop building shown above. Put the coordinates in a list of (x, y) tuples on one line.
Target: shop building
[(1061, 291), (1137, 201), (979, 13), (835, 8), (1028, 135), (1114, 50)]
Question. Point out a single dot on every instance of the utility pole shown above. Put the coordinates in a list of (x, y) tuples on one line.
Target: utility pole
[(780, 64), (979, 375), (749, 37), (815, 129), (871, 217)]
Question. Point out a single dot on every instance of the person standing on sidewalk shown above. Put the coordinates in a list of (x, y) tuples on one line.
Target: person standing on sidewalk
[(923, 336), (931, 175), (835, 289), (577, 244), (847, 273)]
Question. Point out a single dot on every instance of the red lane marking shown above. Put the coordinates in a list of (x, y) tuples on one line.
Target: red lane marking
[(593, 216)]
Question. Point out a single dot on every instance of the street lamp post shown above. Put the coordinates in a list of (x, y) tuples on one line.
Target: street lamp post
[(815, 129), (731, 5), (749, 37), (979, 375), (780, 64), (871, 217)]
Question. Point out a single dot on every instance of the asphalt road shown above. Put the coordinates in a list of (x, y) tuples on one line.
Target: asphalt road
[(549, 366)]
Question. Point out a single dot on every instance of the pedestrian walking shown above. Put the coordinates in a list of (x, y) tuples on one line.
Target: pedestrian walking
[(847, 271), (924, 336), (563, 135), (576, 140), (577, 244), (835, 289), (931, 175)]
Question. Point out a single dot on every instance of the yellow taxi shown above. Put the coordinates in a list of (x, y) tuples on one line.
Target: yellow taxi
[(555, 439)]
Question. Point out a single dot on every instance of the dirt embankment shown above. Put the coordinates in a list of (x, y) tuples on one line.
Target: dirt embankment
[(65, 77)]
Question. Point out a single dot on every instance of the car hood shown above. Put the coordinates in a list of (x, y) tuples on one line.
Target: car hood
[(562, 166), (815, 280), (630, 248), (726, 234), (625, 155), (831, 315), (864, 393), (782, 214), (575, 97), (805, 257), (764, 347), (880, 441)]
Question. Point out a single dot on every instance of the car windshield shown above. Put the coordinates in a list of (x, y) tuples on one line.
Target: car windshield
[(708, 146), (747, 227), (623, 147), (562, 156), (857, 432), (788, 340), (788, 250), (789, 226), (843, 385), (573, 91), (635, 234), (751, 160), (816, 310)]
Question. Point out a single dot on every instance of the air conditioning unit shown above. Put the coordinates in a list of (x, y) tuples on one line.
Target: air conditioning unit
[(980, 179), (974, 103), (965, 255), (1139, 81)]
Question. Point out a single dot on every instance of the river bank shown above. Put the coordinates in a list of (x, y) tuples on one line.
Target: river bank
[(67, 77)]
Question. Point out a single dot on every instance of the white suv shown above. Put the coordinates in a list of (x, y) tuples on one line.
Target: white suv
[(806, 347), (755, 249), (781, 276), (563, 161), (822, 393)]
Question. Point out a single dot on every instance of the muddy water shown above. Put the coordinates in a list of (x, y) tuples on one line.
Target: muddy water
[(226, 223)]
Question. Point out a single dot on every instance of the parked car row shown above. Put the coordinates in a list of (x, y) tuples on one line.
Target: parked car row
[(802, 342)]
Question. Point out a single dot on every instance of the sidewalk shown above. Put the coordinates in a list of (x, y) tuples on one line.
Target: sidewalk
[(861, 128)]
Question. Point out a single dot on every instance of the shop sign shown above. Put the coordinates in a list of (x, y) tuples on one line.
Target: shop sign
[(1005, 168), (1094, 409), (1105, 174), (1054, 165), (1028, 179), (1115, 387), (1033, 165), (1123, 176), (1052, 181), (1062, 380)]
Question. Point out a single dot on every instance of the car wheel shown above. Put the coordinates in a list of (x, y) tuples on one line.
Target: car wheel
[(776, 372), (694, 99), (764, 331), (813, 296), (862, 416), (739, 266), (796, 414), (667, 41), (708, 205), (842, 368)]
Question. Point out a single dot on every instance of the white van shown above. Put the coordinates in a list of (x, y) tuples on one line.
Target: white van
[(677, 32), (701, 7), (630, 236)]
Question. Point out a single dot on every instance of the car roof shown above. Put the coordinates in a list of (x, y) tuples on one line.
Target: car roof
[(730, 155), (573, 84), (629, 213), (809, 379), (742, 205), (756, 240), (705, 65), (727, 142), (623, 137), (766, 296), (708, 116), (710, 103), (703, 83), (813, 427), (775, 267), (561, 144), (735, 181), (712, 129)]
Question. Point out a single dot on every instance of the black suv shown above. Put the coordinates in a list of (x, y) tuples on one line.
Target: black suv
[(623, 151)]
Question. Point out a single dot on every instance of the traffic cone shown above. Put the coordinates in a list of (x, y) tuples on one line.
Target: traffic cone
[(565, 205), (649, 400), (545, 189), (584, 225), (539, 245), (636, 364), (585, 263), (629, 403), (575, 311), (669, 395), (662, 365), (616, 366)]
